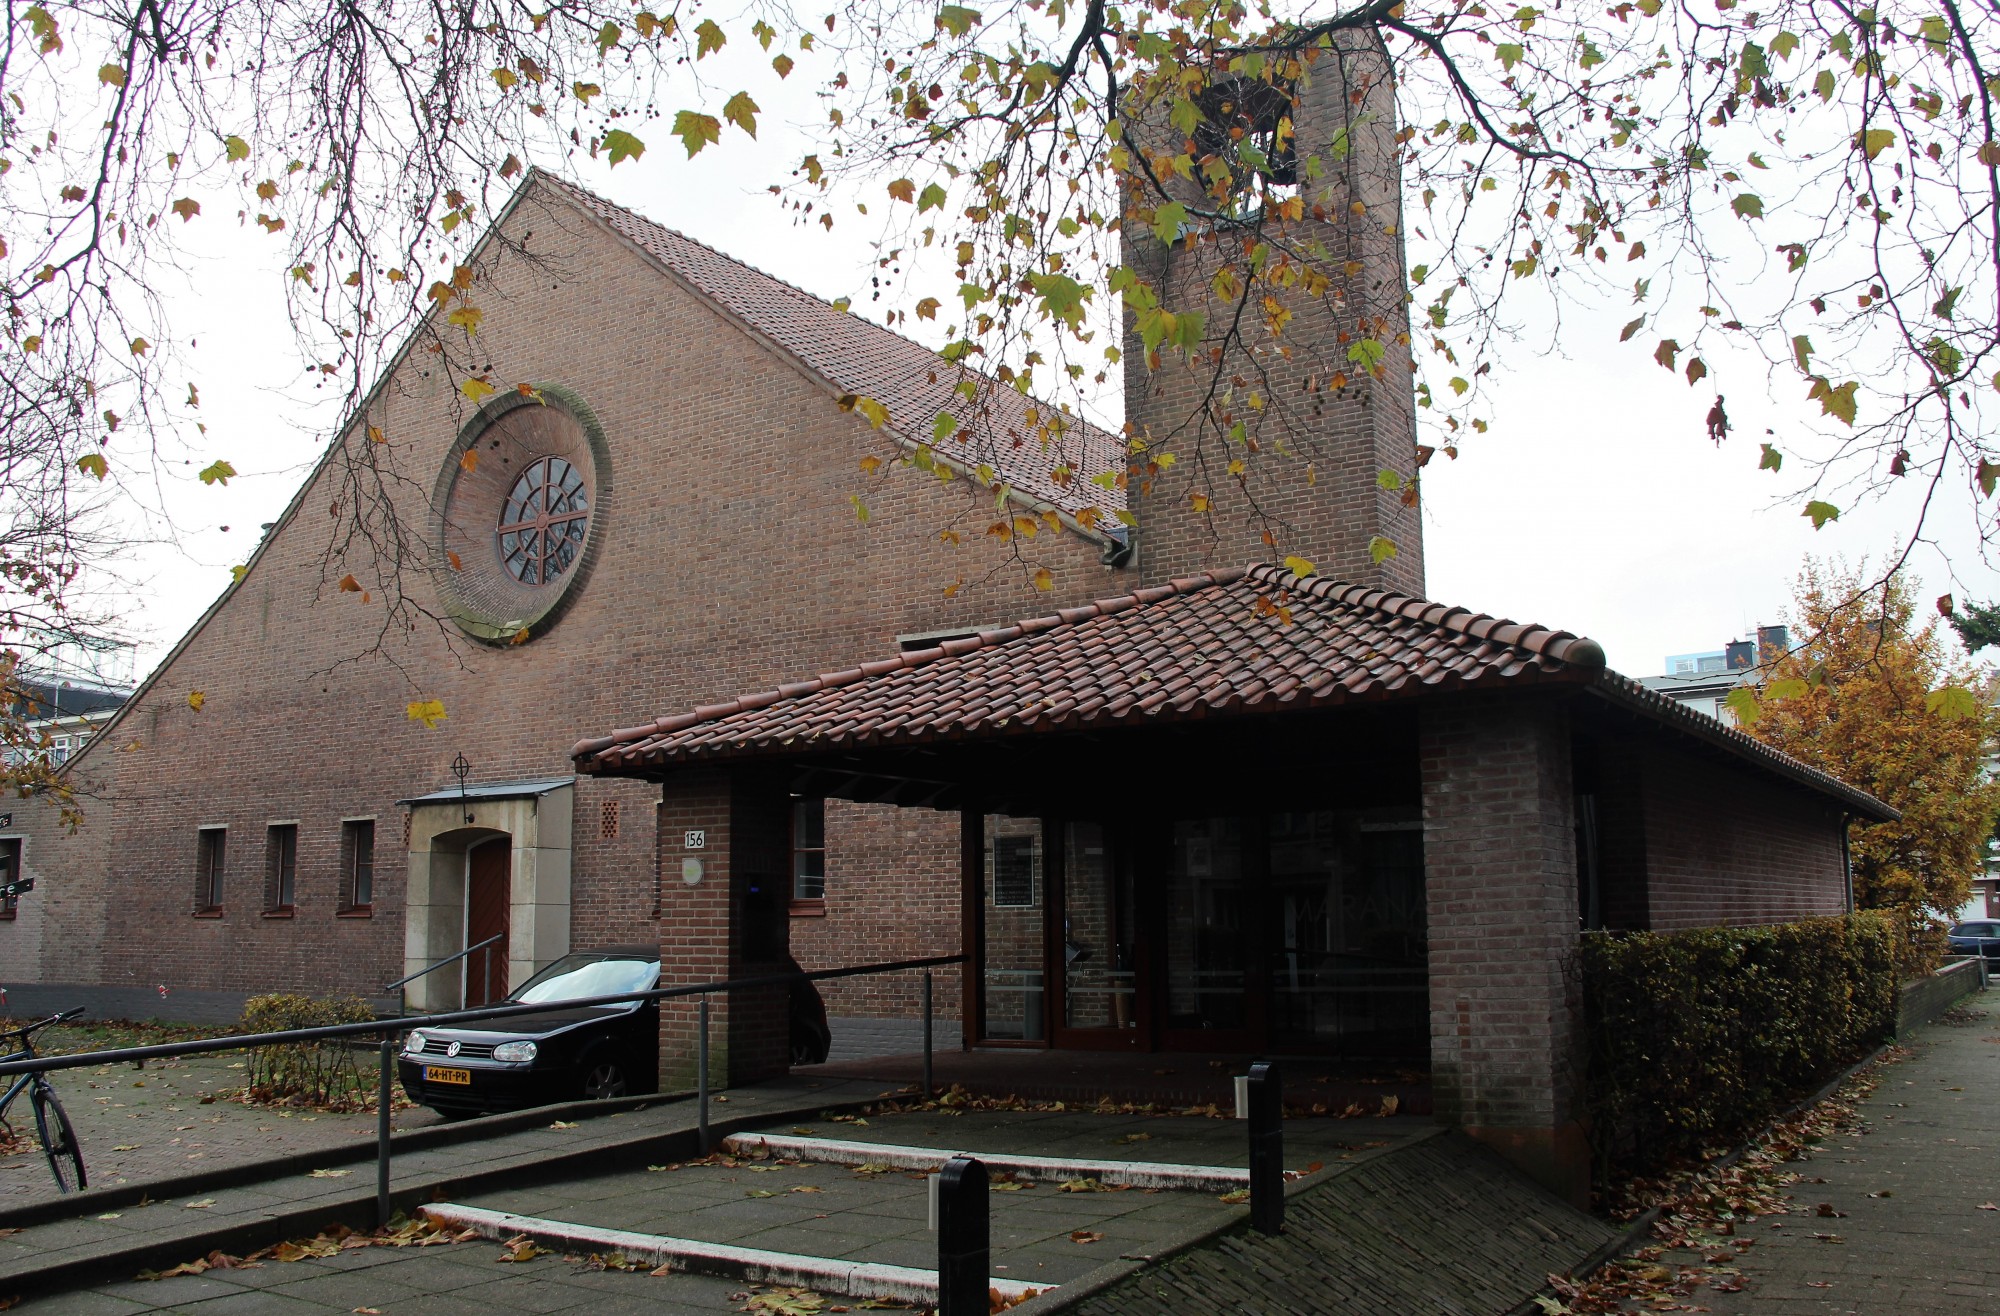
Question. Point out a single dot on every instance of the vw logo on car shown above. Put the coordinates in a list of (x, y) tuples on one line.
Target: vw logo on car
[(452, 1050)]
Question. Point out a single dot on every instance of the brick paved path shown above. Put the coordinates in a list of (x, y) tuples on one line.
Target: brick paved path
[(1911, 1186), (142, 1125)]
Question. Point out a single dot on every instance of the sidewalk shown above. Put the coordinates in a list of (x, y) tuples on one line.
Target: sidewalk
[(1902, 1213)]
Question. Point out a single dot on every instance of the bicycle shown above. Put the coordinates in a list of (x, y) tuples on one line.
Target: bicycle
[(52, 1124)]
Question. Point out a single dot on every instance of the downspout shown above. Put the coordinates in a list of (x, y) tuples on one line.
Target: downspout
[(1847, 857)]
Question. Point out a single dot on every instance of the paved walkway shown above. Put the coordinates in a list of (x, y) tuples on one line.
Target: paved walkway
[(1902, 1213), (140, 1126)]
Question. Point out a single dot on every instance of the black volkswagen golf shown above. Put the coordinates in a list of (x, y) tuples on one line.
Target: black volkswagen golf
[(561, 1054)]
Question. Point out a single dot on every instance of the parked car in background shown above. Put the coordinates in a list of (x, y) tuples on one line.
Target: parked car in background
[(561, 1054), (1977, 937)]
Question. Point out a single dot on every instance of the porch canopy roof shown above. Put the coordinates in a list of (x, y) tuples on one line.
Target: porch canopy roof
[(1229, 644)]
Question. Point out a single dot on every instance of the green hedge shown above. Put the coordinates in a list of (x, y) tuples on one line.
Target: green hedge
[(323, 1075), (1697, 1036)]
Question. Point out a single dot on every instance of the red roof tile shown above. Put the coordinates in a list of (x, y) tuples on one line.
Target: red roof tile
[(1197, 647), (1043, 454)]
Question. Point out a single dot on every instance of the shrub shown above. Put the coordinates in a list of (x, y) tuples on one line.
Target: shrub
[(319, 1074), (1697, 1036)]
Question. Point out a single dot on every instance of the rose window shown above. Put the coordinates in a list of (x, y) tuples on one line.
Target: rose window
[(544, 521)]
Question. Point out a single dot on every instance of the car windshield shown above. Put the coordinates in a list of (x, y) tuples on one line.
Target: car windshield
[(1975, 930), (576, 977)]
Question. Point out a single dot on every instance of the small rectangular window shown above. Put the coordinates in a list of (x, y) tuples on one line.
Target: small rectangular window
[(809, 849), (1016, 860), (211, 853), (10, 873), (281, 866), (357, 863)]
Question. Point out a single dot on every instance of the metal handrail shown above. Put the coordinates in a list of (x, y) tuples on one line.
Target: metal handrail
[(406, 1023), (453, 959), (388, 1028)]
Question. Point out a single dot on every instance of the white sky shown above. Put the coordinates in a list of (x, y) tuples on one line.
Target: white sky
[(1596, 503)]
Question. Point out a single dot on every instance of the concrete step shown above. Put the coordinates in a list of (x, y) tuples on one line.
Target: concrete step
[(827, 1275), (1037, 1169)]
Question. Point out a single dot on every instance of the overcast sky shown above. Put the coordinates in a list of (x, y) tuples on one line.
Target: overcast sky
[(1596, 504)]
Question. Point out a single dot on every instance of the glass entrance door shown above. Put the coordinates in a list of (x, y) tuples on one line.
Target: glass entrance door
[(1013, 1004), (1212, 942), (1101, 987)]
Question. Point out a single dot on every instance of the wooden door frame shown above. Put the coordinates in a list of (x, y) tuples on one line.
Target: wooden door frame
[(507, 917)]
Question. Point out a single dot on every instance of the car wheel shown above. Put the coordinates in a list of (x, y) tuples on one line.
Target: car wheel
[(604, 1077)]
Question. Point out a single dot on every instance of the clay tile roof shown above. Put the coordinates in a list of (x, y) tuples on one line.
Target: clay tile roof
[(1199, 647), (1001, 428), (1195, 648)]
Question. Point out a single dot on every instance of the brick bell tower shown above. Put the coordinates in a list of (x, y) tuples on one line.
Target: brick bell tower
[(1322, 415)]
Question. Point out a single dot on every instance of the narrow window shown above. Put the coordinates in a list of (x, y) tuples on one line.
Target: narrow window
[(210, 854), (281, 866), (809, 850), (357, 864), (10, 873), (1016, 864)]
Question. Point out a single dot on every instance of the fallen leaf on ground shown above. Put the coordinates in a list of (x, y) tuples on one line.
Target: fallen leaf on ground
[(519, 1248), (786, 1302), (1083, 1186), (563, 1124), (367, 1311), (126, 1146), (109, 1215), (661, 1271), (807, 1188), (202, 1205), (329, 1174), (760, 1192), (1085, 1236), (1234, 1196), (1128, 1138), (1989, 1206)]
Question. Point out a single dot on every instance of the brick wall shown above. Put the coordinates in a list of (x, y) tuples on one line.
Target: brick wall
[(1318, 429), (731, 560), (1726, 846), (1500, 873), (892, 893)]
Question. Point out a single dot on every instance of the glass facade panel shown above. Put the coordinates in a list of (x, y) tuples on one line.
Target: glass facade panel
[(1209, 929), (1350, 962), (1011, 923), (1100, 970)]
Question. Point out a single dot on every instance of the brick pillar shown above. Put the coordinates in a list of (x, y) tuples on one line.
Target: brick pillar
[(713, 926), (1500, 873)]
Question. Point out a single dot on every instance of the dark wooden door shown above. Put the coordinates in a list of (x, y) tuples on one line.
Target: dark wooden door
[(488, 887)]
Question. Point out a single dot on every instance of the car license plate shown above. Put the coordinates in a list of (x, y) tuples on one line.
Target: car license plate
[(440, 1074)]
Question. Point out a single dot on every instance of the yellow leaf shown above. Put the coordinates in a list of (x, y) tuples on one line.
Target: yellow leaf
[(196, 699), (1299, 567), (375, 435), (430, 712), (236, 148), (470, 459), (1199, 502), (32, 343), (467, 318), (870, 465), (475, 389), (1043, 580), (140, 347), (519, 637), (903, 190), (112, 75)]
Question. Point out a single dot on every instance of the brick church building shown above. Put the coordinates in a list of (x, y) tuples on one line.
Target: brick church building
[(1187, 804)]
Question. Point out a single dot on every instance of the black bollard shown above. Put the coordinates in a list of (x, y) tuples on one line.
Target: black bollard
[(1267, 1149), (964, 1242)]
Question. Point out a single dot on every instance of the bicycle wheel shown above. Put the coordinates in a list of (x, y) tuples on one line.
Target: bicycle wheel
[(58, 1140)]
